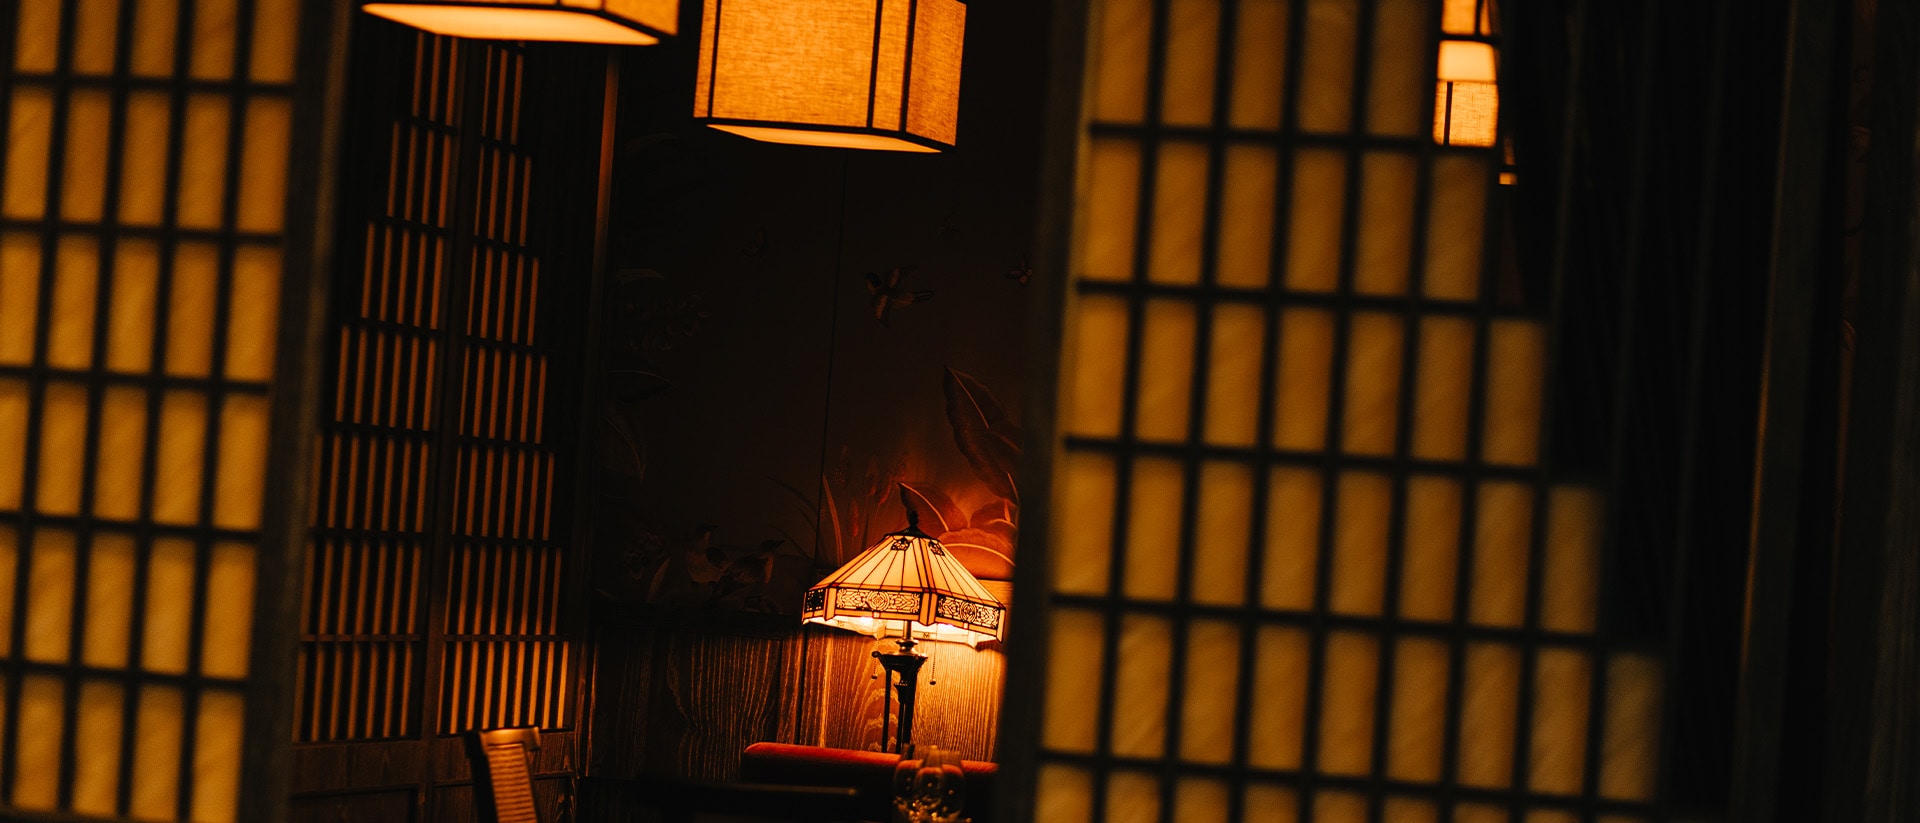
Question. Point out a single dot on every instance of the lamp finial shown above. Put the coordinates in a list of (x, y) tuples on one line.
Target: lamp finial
[(913, 514)]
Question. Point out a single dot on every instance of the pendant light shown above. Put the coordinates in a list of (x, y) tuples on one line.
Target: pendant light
[(866, 74), (617, 22)]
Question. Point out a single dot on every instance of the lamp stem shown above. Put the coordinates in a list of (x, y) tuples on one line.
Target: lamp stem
[(906, 663)]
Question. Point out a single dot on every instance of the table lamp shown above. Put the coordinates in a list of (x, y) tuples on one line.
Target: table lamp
[(910, 587)]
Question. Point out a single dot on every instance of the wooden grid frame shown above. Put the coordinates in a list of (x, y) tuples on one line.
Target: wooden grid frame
[(161, 162), (440, 572), (1164, 436)]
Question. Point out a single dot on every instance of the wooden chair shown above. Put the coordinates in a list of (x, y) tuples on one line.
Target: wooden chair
[(502, 777)]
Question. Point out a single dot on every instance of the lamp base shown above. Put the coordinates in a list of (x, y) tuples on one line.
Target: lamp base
[(906, 663)]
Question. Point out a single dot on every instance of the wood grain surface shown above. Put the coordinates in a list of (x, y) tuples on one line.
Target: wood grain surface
[(685, 699)]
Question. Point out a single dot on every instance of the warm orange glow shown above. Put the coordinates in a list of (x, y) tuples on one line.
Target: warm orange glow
[(1466, 60), (891, 67), (1466, 106), (1466, 114), (836, 139), (906, 582), (1467, 17), (484, 22), (882, 628)]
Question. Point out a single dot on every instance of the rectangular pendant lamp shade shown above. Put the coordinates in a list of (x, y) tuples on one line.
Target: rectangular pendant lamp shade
[(1466, 107), (616, 22), (865, 74)]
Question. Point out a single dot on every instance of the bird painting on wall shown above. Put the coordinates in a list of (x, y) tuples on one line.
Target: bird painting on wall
[(890, 296)]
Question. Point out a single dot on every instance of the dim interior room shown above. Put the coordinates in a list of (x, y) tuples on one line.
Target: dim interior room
[(1324, 411)]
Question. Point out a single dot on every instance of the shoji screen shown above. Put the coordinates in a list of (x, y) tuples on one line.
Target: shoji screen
[(439, 585), (146, 240), (1307, 560)]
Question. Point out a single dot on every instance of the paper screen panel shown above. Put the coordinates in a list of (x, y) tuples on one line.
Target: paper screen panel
[(1133, 797), (1304, 378), (134, 396), (1304, 449), (1327, 65), (1417, 722), (1064, 794), (1223, 525), (1291, 554), (1397, 76), (1072, 722), (1208, 707), (1411, 810), (1339, 807), (1201, 801), (1192, 46), (1141, 686), (1363, 505), (1260, 63), (436, 467), (1153, 530), (1180, 184), (1233, 375)]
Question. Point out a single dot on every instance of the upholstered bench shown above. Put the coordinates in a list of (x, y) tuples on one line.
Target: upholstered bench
[(872, 773)]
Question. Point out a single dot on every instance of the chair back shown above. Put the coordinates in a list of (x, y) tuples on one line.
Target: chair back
[(502, 778)]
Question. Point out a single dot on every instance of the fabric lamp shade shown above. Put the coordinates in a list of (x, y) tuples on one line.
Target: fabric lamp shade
[(907, 580), (618, 22), (866, 74), (1466, 109)]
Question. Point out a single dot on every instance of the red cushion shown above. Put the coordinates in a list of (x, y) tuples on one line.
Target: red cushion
[(870, 772)]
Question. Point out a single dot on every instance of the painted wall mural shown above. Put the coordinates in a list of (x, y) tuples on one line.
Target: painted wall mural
[(798, 340)]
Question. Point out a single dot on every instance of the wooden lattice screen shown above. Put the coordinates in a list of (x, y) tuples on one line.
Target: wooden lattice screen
[(1309, 558), (156, 233), (439, 575)]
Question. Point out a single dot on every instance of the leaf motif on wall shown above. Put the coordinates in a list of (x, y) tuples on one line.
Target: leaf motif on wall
[(832, 514), (938, 513), (998, 517), (985, 555), (989, 441)]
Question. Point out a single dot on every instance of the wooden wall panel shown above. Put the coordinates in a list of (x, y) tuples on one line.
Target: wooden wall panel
[(553, 799), (839, 700), (719, 693), (390, 806), (341, 768), (684, 702), (677, 700), (622, 669), (336, 766)]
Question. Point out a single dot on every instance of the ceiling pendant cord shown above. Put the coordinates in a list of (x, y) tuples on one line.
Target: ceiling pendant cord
[(826, 404), (833, 331)]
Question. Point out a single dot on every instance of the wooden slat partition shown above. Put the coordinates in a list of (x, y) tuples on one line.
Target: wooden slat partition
[(442, 580), (156, 233)]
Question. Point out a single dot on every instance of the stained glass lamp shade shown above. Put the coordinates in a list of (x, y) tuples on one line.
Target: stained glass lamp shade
[(910, 587), (906, 584)]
